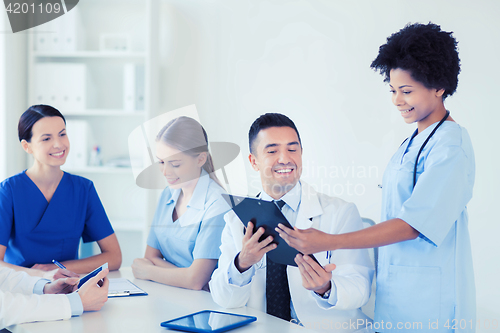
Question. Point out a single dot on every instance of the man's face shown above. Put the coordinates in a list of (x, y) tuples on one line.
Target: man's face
[(277, 155)]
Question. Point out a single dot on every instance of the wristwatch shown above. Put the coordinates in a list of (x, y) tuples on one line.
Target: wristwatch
[(326, 295)]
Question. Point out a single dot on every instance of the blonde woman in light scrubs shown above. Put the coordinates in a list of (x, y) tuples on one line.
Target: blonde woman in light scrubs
[(425, 279), (183, 244)]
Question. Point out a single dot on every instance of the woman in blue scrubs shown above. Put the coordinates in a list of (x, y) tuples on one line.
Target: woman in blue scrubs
[(185, 237), (425, 277), (44, 211)]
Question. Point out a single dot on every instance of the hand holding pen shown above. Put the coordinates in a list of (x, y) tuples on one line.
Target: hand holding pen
[(61, 272), (61, 286)]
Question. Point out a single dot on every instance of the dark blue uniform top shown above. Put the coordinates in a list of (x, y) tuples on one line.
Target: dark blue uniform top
[(35, 231)]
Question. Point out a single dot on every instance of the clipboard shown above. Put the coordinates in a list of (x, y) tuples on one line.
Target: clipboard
[(121, 287), (267, 215)]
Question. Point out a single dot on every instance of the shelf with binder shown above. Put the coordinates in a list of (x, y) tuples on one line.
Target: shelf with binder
[(97, 25), (99, 144), (97, 65), (77, 87)]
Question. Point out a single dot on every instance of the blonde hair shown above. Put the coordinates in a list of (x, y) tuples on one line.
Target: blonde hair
[(188, 136)]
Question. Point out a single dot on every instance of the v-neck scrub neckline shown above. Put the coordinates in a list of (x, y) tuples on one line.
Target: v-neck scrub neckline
[(40, 191)]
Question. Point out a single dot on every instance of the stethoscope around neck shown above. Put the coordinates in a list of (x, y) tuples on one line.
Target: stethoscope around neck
[(423, 145)]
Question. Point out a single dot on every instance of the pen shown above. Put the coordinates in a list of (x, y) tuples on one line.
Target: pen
[(58, 264)]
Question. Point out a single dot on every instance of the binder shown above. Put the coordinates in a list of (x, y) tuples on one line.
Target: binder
[(62, 85), (129, 93), (77, 131), (133, 87), (64, 34)]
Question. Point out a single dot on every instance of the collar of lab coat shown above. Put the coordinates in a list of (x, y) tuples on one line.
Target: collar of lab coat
[(310, 207), (291, 198)]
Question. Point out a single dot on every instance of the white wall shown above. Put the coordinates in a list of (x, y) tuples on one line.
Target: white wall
[(13, 90), (310, 60)]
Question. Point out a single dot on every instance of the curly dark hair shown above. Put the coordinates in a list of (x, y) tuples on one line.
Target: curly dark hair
[(427, 52)]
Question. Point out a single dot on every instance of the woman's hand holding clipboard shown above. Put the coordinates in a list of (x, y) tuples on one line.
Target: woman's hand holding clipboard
[(267, 215)]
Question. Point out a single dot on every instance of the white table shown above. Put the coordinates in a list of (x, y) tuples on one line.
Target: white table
[(145, 313)]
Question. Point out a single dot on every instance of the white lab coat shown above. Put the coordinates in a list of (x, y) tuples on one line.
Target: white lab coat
[(352, 276), (19, 305)]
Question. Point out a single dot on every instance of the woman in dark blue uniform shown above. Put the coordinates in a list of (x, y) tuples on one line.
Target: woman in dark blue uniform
[(44, 211)]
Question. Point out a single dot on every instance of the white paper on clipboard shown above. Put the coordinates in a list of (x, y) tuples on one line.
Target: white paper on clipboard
[(123, 287)]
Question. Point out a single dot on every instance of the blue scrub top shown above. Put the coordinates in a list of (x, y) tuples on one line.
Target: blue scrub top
[(35, 231), (197, 233), (429, 279)]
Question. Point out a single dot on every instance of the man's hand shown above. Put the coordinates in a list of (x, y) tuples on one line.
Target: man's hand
[(141, 268), (59, 273), (314, 277), (92, 295), (44, 267), (252, 251), (61, 286), (306, 241)]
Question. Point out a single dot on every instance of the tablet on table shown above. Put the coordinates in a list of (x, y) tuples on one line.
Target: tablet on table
[(208, 321)]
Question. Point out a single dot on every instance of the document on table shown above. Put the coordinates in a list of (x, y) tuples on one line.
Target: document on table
[(123, 287)]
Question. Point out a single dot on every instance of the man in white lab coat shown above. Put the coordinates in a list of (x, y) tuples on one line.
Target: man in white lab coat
[(22, 299), (324, 298)]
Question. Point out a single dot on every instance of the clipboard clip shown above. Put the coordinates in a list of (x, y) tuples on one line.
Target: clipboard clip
[(120, 293)]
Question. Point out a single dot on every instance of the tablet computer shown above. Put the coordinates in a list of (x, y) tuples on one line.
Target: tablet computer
[(91, 274), (208, 321), (267, 215)]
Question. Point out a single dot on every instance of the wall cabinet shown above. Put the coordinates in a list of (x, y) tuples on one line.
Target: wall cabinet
[(97, 65)]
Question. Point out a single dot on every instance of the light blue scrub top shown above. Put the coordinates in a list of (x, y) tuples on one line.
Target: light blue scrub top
[(197, 233), (430, 278)]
